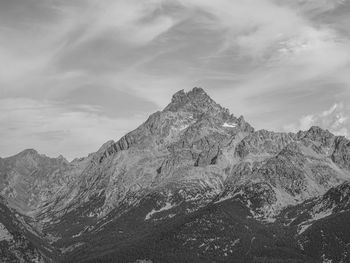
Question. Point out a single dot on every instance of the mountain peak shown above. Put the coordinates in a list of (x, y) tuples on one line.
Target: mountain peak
[(316, 129), (197, 91), (195, 94), (29, 152), (195, 100), (316, 132)]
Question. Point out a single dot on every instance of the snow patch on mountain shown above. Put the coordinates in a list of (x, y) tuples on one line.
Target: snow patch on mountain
[(229, 125), (167, 206), (72, 247), (79, 234), (224, 198)]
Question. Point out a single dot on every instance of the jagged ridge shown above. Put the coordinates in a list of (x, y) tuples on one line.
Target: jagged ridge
[(189, 156)]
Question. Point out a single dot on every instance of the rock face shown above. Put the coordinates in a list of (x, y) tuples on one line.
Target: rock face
[(28, 179), (193, 181), (15, 244)]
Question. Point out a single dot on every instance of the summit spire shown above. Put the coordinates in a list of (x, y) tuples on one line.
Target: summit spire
[(195, 100)]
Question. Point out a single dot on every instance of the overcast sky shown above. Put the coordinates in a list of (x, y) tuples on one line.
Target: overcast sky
[(77, 73)]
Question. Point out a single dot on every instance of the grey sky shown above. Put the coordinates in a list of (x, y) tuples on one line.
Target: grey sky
[(77, 73)]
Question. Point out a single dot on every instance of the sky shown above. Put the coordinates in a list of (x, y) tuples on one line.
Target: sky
[(75, 74)]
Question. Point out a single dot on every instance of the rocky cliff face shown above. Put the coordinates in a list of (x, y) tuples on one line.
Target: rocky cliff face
[(194, 176), (28, 179), (15, 242)]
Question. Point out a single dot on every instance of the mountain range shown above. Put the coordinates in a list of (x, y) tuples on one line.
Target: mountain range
[(193, 183)]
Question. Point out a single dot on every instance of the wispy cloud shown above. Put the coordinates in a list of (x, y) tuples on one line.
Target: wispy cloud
[(131, 21), (53, 129), (272, 61), (335, 119)]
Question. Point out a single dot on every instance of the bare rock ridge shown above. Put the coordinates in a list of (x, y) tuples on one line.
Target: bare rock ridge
[(193, 181), (196, 100)]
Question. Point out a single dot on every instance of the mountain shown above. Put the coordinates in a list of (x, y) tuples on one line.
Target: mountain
[(193, 183), (29, 179), (16, 244)]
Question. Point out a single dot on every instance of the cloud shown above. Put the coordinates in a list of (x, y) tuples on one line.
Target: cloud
[(54, 130), (335, 119), (252, 26), (269, 60), (316, 7), (110, 101), (134, 22)]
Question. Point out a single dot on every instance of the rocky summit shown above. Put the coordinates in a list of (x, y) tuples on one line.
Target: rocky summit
[(193, 183)]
